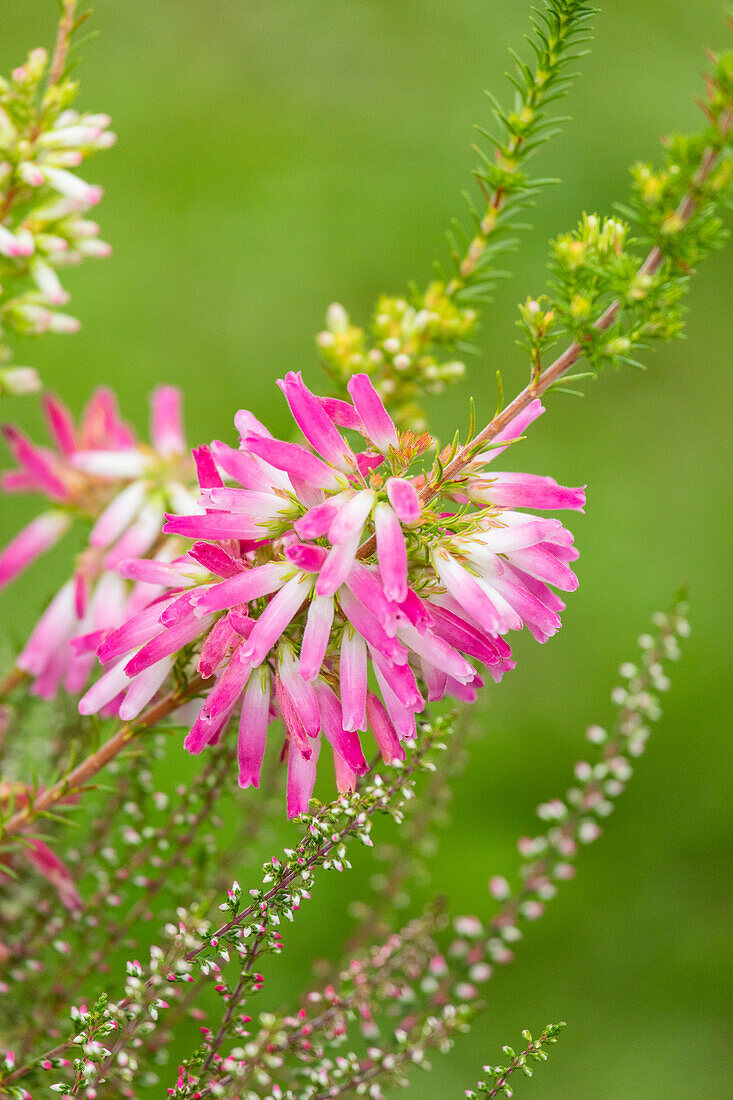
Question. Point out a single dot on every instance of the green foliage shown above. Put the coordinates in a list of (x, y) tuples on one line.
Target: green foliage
[(606, 296), (417, 344), (534, 1050)]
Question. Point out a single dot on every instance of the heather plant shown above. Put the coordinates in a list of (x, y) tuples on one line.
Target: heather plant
[(249, 606)]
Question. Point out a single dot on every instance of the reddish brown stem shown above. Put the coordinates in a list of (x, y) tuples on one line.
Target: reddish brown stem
[(79, 777)]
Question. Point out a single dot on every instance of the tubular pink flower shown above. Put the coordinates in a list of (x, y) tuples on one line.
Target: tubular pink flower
[(466, 590), (350, 519), (276, 617), (253, 728), (315, 423), (509, 490), (48, 864), (319, 518), (344, 776), (139, 536), (221, 638), (300, 692), (377, 422), (294, 459), (301, 778), (105, 689), (118, 514), (337, 565), (383, 730), (345, 743), (167, 642), (353, 680), (37, 464), (316, 636), (440, 654), (342, 413), (60, 424), (542, 564), (403, 497), (52, 629), (143, 688), (308, 558), (39, 536), (401, 681), (391, 552), (363, 621), (166, 421), (215, 525), (248, 585)]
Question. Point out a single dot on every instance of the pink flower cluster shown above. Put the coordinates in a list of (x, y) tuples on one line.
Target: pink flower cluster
[(98, 472), (319, 587)]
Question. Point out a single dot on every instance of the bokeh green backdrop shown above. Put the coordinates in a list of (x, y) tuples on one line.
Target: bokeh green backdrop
[(276, 155)]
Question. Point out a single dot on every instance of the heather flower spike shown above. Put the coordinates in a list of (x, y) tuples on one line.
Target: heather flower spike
[(98, 473), (281, 604)]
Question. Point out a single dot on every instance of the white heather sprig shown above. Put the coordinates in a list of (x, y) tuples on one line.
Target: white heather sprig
[(533, 1050), (43, 202)]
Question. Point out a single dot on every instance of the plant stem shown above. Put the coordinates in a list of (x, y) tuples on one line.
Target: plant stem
[(79, 776), (569, 357)]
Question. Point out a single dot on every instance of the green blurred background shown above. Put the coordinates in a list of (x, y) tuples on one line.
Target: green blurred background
[(276, 155)]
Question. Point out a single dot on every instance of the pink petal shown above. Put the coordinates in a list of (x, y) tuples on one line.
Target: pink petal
[(403, 497), (353, 679), (528, 491), (344, 742), (167, 642), (206, 469), (52, 631), (377, 421), (317, 520), (337, 566), (316, 636), (118, 514), (214, 525), (101, 425), (383, 730), (306, 557), (143, 688), (37, 464), (60, 423), (277, 615), (48, 864), (391, 553), (166, 424), (215, 559), (294, 459), (543, 565), (249, 585), (301, 779), (253, 728), (366, 623), (40, 535), (350, 518), (315, 423), (301, 693)]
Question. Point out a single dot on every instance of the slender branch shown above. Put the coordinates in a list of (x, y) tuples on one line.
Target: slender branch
[(11, 681), (569, 357), (66, 26), (78, 778)]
